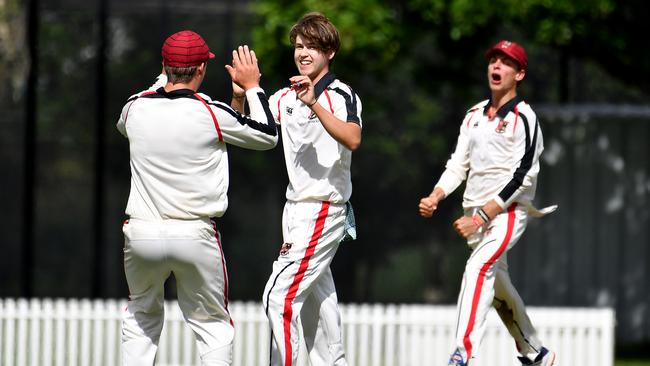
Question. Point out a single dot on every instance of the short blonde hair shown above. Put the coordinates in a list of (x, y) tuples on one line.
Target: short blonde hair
[(177, 75)]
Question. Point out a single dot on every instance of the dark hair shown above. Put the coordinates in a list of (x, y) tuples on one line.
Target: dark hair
[(315, 29), (177, 75)]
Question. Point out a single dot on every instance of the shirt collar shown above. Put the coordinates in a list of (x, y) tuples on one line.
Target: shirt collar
[(178, 93), (506, 108), (323, 83)]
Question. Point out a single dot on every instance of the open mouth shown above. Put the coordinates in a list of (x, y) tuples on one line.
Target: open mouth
[(496, 77)]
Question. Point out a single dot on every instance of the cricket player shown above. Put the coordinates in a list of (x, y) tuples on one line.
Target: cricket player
[(320, 119), (179, 181), (497, 152)]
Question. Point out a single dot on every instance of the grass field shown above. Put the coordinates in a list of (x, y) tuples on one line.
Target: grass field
[(632, 355), (632, 363)]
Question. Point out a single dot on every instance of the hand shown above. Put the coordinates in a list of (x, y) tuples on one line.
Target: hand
[(304, 89), (238, 91), (466, 226), (244, 70), (427, 206)]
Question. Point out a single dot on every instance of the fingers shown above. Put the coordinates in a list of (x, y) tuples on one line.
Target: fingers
[(302, 79), (236, 60), (428, 204), (458, 228), (244, 56), (303, 87), (231, 71), (464, 226), (426, 207)]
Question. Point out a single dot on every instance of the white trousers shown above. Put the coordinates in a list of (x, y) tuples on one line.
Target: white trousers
[(300, 296), (486, 283), (191, 249)]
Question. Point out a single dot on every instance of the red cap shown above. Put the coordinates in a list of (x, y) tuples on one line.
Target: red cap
[(510, 49), (185, 49)]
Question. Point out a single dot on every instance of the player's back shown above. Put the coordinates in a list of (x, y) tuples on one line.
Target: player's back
[(179, 167)]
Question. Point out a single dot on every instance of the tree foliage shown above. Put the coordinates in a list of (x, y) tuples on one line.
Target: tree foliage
[(606, 31), (13, 57)]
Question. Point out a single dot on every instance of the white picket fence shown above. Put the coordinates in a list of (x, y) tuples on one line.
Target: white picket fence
[(87, 333)]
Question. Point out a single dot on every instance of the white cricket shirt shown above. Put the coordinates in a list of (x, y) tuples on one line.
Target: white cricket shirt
[(317, 165), (179, 160), (499, 157)]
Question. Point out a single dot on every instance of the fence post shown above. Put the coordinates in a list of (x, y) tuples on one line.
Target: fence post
[(10, 332), (23, 319), (98, 314), (390, 339), (84, 339), (35, 319), (378, 325), (113, 322), (59, 340), (73, 331), (48, 319)]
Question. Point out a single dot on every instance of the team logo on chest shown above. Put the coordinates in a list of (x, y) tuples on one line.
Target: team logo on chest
[(501, 127), (289, 111)]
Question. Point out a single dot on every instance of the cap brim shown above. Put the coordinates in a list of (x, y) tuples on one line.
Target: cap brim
[(210, 55), (493, 51), (490, 52)]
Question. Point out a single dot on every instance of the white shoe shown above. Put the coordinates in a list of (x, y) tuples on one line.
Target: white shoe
[(544, 358)]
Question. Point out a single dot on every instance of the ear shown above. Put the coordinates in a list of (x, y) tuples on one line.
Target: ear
[(331, 55), (520, 75), (201, 68)]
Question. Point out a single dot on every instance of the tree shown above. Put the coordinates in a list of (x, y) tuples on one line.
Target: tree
[(13, 64)]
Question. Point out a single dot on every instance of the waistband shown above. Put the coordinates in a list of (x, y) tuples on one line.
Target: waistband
[(312, 201), (469, 211), (201, 220)]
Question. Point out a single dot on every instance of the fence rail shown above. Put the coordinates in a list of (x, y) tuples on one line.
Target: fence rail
[(87, 333)]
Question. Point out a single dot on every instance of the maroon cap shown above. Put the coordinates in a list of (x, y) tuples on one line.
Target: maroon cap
[(510, 49), (185, 49)]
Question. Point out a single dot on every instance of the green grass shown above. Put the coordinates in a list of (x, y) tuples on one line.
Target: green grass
[(632, 363)]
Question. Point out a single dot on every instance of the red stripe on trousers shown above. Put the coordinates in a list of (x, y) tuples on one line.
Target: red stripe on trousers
[(481, 278), (293, 289), (225, 271)]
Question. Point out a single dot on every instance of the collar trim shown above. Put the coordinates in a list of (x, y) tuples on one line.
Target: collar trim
[(506, 108), (323, 83), (175, 93)]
